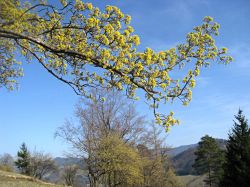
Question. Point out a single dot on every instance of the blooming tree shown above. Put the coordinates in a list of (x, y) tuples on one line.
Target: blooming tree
[(85, 47)]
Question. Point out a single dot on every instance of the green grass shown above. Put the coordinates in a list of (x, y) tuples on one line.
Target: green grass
[(192, 180), (9, 179)]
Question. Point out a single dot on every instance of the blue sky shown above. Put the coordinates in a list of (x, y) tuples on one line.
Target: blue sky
[(41, 104)]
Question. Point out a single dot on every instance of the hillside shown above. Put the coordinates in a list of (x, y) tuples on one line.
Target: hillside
[(192, 180), (69, 161), (9, 179), (177, 150), (183, 161)]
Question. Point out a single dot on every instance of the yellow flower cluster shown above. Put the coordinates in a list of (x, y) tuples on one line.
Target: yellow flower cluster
[(74, 46)]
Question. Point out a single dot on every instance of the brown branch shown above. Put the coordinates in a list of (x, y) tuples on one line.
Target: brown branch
[(97, 63), (37, 5)]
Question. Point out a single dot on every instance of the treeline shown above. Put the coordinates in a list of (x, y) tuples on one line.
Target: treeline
[(229, 167)]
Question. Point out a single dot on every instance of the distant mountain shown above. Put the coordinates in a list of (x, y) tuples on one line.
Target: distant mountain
[(183, 162), (183, 157), (61, 162), (177, 150), (55, 177)]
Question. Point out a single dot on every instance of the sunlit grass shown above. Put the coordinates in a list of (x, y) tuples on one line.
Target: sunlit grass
[(9, 179), (192, 180)]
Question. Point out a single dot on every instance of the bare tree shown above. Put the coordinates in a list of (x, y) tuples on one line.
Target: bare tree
[(157, 169), (41, 164), (69, 174), (109, 113), (6, 162)]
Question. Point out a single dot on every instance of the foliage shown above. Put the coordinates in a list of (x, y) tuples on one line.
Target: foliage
[(22, 162), (120, 163), (10, 70), (237, 165), (85, 47), (209, 160)]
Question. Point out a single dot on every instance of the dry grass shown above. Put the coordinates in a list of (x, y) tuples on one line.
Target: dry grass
[(192, 180), (9, 179)]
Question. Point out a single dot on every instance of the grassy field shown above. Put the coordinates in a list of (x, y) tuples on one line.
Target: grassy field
[(192, 180), (8, 179)]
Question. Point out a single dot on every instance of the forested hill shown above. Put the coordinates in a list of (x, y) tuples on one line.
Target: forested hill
[(183, 157)]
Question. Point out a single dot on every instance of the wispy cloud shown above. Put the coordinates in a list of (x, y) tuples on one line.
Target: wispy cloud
[(177, 8), (227, 103), (184, 8), (241, 54)]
